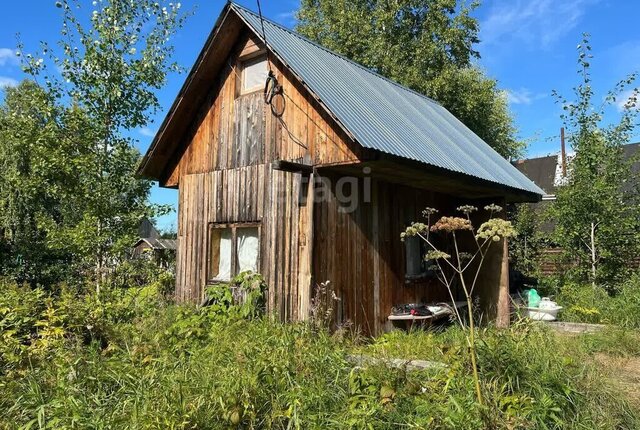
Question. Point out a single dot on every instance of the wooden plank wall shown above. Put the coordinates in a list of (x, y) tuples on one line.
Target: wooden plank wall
[(360, 252), (248, 194), (219, 136), (362, 255), (222, 170)]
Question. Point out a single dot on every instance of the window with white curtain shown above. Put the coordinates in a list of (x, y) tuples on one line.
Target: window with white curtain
[(248, 247), (233, 249)]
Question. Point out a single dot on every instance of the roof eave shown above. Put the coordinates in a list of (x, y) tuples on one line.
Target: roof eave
[(143, 168), (513, 194)]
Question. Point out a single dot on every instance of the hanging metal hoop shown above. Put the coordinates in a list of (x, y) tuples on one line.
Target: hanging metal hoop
[(271, 87)]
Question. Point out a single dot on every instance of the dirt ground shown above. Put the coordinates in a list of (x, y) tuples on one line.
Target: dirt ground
[(622, 371)]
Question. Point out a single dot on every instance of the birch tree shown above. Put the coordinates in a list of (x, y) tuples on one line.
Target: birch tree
[(597, 212), (109, 62)]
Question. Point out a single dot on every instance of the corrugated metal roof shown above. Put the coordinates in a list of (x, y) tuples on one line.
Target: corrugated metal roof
[(384, 115)]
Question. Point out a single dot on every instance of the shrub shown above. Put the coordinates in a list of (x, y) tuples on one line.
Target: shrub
[(35, 323), (243, 297), (584, 303)]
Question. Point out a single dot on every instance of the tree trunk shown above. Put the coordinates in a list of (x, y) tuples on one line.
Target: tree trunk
[(593, 254)]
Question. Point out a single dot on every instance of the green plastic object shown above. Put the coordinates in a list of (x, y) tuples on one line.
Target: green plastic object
[(533, 298)]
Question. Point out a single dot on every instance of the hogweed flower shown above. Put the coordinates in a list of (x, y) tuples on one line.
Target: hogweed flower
[(495, 229), (414, 229), (451, 223), (466, 209), (493, 208), (436, 255), (429, 211)]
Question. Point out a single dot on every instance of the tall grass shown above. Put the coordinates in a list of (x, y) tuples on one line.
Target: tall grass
[(152, 364)]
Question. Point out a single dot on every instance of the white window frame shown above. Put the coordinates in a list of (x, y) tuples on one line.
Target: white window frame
[(249, 61)]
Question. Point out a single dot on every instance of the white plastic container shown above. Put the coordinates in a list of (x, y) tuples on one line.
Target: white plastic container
[(547, 310)]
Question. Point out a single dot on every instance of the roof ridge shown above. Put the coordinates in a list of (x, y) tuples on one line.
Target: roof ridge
[(521, 160), (410, 135), (355, 63)]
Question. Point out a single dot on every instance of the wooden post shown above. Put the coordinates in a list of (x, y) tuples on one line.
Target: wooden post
[(503, 311), (376, 259), (305, 260)]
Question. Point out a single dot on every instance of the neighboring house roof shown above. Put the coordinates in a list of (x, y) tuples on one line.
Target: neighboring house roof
[(540, 170), (545, 171), (157, 243), (377, 113), (147, 229)]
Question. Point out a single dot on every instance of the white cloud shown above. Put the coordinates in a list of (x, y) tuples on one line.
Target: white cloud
[(8, 57), (537, 23), (7, 82), (628, 99), (146, 131), (522, 96)]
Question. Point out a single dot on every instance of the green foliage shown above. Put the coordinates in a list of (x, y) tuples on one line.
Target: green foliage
[(612, 341), (525, 247), (138, 272), (243, 297), (596, 212), (584, 303), (36, 323), (426, 45), (73, 203), (252, 287), (530, 379), (36, 179), (132, 360)]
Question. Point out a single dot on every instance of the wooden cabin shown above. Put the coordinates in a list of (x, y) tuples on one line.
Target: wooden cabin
[(316, 179)]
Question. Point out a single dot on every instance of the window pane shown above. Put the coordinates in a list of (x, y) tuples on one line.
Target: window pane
[(254, 74), (220, 258), (414, 258), (248, 246)]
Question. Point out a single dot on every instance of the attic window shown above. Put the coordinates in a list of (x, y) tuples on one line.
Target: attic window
[(254, 74)]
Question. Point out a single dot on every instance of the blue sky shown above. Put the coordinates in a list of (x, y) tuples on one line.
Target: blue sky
[(529, 46)]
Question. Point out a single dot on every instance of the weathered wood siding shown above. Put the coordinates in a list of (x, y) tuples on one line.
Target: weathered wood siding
[(223, 171), (233, 131), (360, 252), (362, 255), (248, 194)]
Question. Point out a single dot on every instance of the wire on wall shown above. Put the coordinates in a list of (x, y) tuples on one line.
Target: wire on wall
[(264, 38), (278, 115)]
